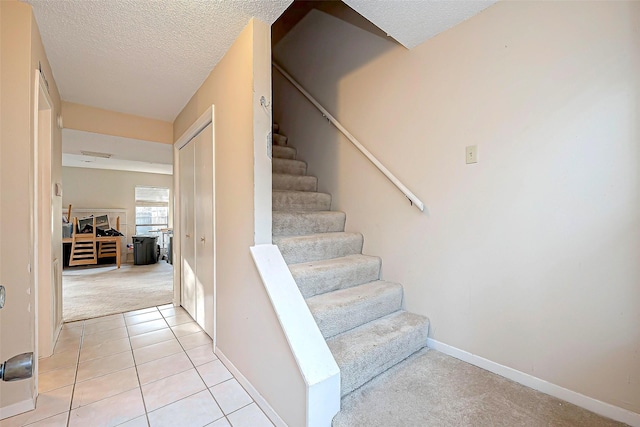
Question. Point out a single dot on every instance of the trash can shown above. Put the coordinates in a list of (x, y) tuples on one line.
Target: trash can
[(144, 250)]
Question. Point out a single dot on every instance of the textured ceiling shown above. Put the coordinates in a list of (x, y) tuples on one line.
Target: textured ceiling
[(143, 57), (411, 22)]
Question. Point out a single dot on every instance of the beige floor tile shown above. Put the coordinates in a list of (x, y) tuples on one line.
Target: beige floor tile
[(173, 311), (49, 404), (195, 340), (196, 410), (171, 389), (222, 422), (136, 422), (201, 355), (162, 368), (71, 344), (141, 311), (66, 334), (57, 361), (230, 396), (156, 351), (165, 307), (101, 337), (153, 337), (105, 349), (186, 329), (95, 389), (145, 317), (179, 319), (104, 326), (102, 319), (143, 328), (56, 379), (249, 416), (214, 373), (109, 412), (103, 366), (73, 325), (55, 421)]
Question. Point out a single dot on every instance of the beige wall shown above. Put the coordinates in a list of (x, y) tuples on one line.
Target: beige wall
[(21, 50), (530, 257), (106, 122), (248, 332), (109, 189)]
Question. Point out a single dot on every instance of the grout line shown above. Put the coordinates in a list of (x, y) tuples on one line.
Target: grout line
[(135, 365), (75, 377)]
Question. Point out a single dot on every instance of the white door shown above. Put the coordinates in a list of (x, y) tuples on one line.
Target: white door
[(197, 228), (204, 174), (187, 228)]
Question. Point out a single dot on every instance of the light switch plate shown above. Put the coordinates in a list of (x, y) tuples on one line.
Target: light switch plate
[(471, 154)]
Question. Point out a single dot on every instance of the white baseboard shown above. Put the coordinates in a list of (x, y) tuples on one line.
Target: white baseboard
[(17, 408), (586, 402), (257, 397)]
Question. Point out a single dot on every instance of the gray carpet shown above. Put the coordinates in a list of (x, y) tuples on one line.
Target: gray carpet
[(433, 389), (360, 316), (89, 292)]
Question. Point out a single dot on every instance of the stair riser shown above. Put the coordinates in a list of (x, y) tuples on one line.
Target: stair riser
[(307, 250), (284, 152), (341, 311), (298, 224), (300, 201), (279, 140), (294, 182), (379, 358), (289, 167), (315, 279)]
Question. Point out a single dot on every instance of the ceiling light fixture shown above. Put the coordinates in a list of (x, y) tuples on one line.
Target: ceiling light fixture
[(96, 154)]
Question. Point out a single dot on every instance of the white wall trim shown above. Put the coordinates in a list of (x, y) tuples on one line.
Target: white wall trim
[(586, 402), (244, 382), (309, 348), (17, 408)]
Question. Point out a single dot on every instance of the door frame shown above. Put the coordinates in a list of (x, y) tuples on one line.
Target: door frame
[(45, 328), (208, 117)]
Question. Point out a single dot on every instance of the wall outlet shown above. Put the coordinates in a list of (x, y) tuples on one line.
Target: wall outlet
[(471, 155)]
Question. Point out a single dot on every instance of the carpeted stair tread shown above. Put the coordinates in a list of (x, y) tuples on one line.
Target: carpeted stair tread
[(320, 246), (297, 223), (318, 277), (300, 201), (368, 350), (288, 166), (279, 140), (281, 181), (339, 311), (281, 152)]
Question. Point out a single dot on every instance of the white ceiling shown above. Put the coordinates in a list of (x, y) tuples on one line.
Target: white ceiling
[(126, 154), (412, 22), (142, 57)]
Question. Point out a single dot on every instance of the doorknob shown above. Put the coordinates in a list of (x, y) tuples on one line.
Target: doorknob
[(19, 367), (202, 239), (188, 236)]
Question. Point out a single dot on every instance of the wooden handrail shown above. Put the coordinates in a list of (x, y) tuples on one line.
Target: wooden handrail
[(412, 197)]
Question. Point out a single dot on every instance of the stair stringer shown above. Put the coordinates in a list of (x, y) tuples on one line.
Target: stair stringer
[(309, 348)]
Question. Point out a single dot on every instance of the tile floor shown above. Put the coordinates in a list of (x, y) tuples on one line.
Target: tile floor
[(150, 367)]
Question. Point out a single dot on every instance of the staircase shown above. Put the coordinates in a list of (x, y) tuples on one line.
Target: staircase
[(360, 316)]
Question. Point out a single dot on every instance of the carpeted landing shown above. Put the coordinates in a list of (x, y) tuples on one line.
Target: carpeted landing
[(433, 389), (89, 292)]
